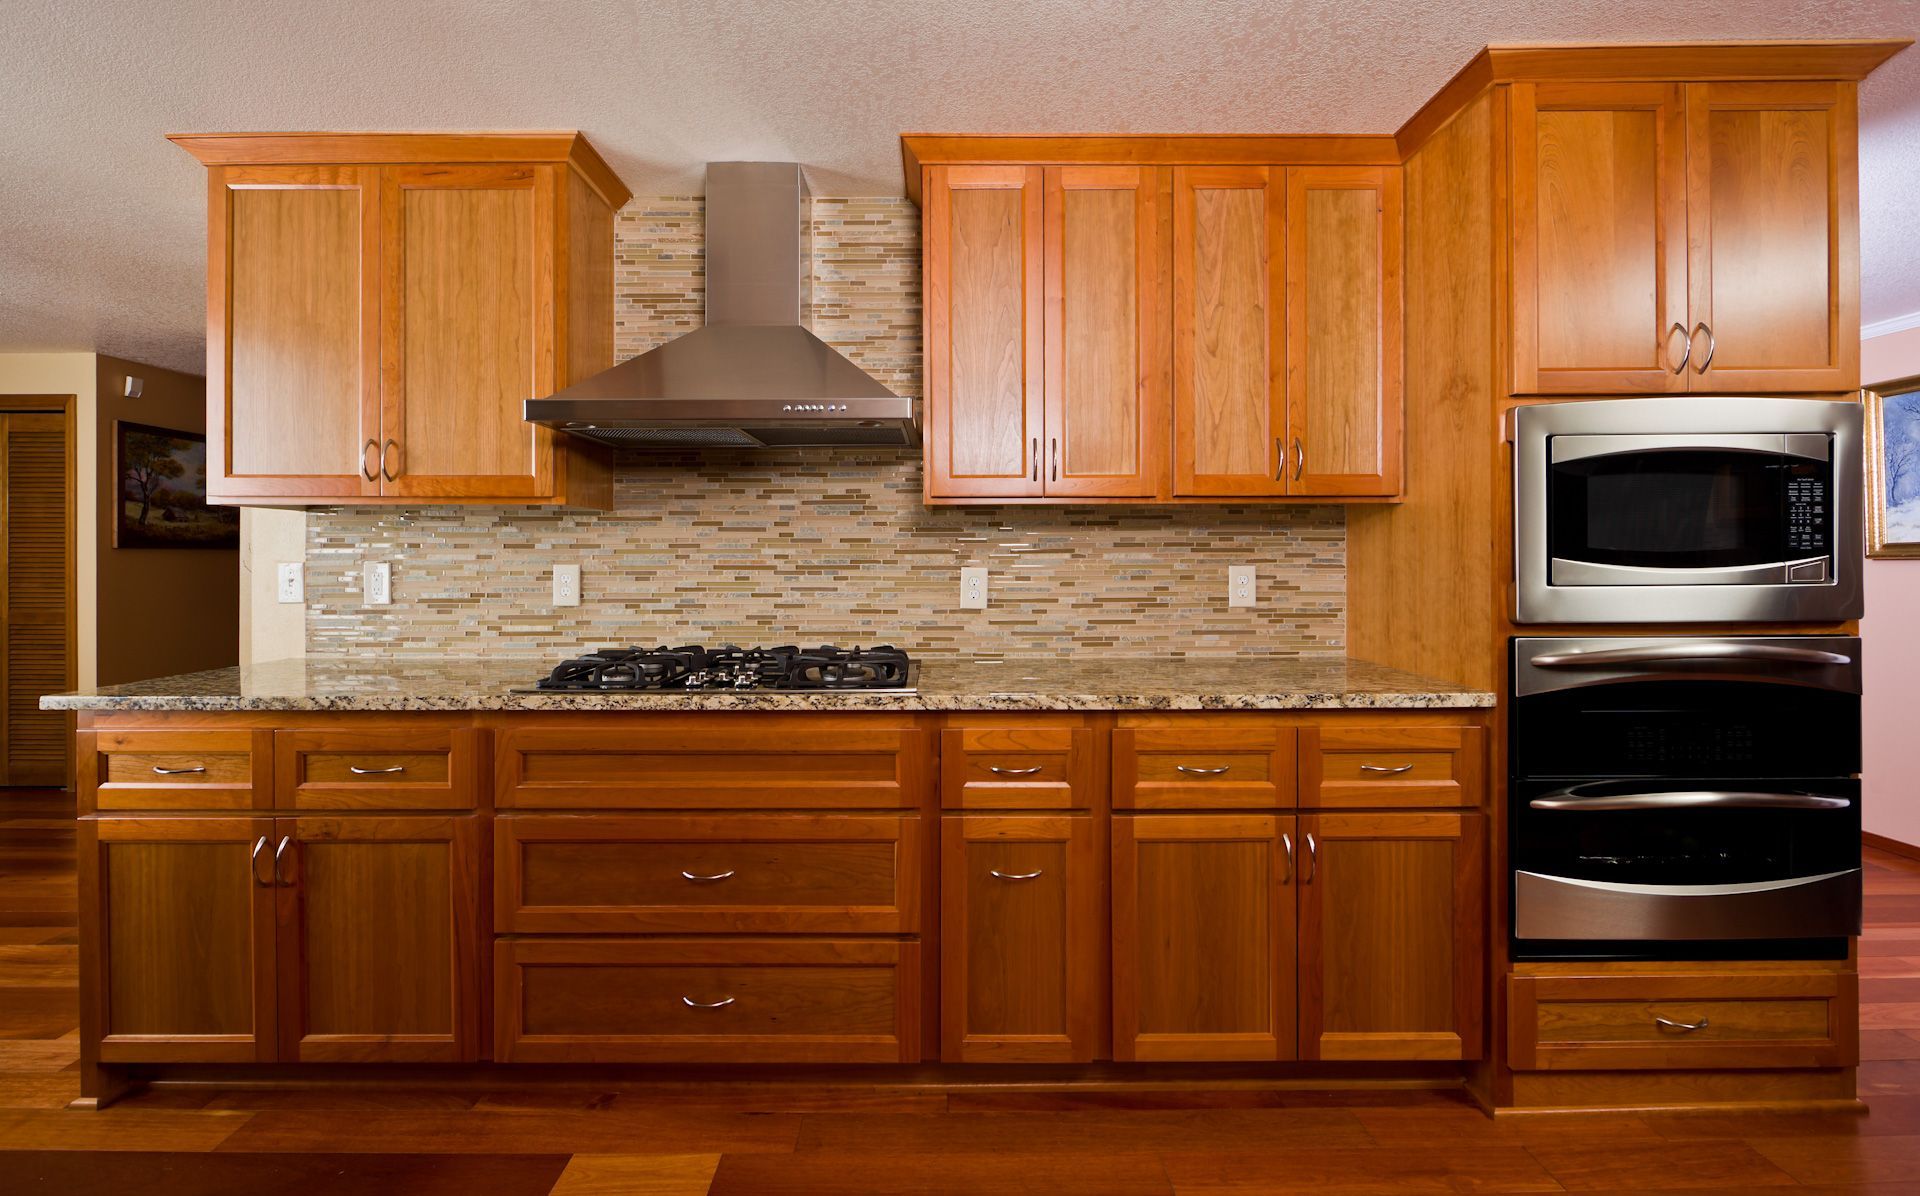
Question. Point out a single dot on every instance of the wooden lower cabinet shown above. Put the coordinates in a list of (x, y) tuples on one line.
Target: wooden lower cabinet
[(723, 1000), (1203, 937), (1020, 938), (1392, 913)]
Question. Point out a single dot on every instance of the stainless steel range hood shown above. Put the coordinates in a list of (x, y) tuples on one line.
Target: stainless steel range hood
[(754, 376)]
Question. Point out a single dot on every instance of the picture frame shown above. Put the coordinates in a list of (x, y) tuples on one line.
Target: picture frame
[(160, 488)]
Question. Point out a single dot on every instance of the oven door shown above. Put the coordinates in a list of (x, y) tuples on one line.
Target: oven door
[(1713, 523)]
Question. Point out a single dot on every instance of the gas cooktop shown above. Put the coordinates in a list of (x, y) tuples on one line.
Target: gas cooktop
[(729, 669)]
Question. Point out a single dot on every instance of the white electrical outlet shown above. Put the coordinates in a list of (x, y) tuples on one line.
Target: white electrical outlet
[(973, 589), (566, 585), (1240, 584), (289, 585), (376, 584)]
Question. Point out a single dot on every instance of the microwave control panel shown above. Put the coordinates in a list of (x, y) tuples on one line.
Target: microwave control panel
[(1808, 513)]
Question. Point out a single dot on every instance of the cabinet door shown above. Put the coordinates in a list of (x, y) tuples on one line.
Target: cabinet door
[(1229, 330), (983, 331), (1020, 951), (1392, 934), (177, 939), (1203, 937), (1343, 329), (1106, 365), (293, 348), (1773, 213), (379, 939), (1599, 238), (466, 330)]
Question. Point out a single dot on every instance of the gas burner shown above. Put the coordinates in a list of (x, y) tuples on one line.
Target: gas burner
[(882, 669)]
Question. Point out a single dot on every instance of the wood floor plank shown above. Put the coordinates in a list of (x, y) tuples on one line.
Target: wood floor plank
[(637, 1175), (38, 1089), (1403, 1127), (953, 1175), (1890, 1016), (694, 1131), (1080, 1133), (1472, 1168), (116, 1129), (1666, 1165), (1888, 1044), (1858, 1160), (71, 1174)]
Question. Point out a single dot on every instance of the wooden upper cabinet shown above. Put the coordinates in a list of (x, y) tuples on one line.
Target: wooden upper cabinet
[(1773, 220), (1344, 248), (984, 374), (380, 306), (1105, 281), (1229, 330), (1599, 238), (1676, 237)]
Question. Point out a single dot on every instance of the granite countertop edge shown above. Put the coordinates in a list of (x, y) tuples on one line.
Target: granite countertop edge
[(773, 702)]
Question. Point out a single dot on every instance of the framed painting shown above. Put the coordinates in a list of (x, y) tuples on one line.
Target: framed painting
[(161, 477)]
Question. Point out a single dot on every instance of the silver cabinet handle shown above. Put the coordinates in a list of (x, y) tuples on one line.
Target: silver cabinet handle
[(279, 857), (999, 875), (358, 771), (1689, 654), (367, 469), (1683, 1027), (1299, 458), (1056, 458), (696, 878), (1384, 768), (722, 1003), (1280, 451), (1687, 353), (385, 472), (1202, 772), (998, 771), (176, 772), (1313, 859), (1036, 458), (1689, 799), (256, 858), (1708, 359), (1286, 845)]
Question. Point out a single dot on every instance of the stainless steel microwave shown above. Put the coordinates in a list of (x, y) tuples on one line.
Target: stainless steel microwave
[(1687, 510)]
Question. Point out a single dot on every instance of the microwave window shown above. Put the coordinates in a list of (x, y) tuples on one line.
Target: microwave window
[(1688, 509)]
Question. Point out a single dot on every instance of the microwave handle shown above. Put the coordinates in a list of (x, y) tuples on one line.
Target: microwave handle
[(1657, 654), (1697, 799)]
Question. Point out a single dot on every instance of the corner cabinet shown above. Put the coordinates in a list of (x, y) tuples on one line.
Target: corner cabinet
[(1117, 332), (379, 306)]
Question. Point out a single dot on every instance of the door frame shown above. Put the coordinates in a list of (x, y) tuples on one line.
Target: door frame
[(64, 405)]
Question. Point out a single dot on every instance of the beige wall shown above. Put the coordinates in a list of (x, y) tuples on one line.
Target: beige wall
[(161, 610), (1890, 646), (269, 629), (72, 374)]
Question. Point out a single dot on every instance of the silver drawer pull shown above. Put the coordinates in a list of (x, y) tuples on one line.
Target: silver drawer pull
[(999, 875), (706, 880), (998, 771), (722, 1003), (1384, 768), (175, 772), (1202, 772), (1683, 1027), (358, 771)]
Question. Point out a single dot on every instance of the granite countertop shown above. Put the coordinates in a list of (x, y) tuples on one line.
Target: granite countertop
[(1017, 683)]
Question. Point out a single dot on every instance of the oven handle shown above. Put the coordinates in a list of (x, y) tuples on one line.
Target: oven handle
[(1694, 799), (1656, 654)]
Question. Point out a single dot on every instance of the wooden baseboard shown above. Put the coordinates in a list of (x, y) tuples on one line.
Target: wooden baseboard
[(1890, 846)]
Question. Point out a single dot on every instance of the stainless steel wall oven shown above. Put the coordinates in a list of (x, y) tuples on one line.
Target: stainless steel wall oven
[(1684, 798)]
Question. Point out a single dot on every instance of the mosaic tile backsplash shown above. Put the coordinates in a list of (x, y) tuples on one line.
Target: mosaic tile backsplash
[(817, 544)]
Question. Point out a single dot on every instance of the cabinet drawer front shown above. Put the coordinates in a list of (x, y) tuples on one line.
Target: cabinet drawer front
[(1176, 768), (175, 770), (1016, 768), (722, 874), (400, 769), (1659, 1021), (707, 1001), (1385, 766), (761, 764)]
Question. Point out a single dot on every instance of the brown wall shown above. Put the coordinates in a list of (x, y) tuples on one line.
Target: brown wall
[(161, 611)]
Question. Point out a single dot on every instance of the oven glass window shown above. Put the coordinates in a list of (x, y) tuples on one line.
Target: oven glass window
[(1688, 509)]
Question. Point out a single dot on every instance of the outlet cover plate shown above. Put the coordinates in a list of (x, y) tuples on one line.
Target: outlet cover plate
[(973, 589), (1240, 585), (289, 584), (376, 584), (566, 585)]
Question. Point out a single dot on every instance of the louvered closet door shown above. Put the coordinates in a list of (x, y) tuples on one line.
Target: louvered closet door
[(35, 594)]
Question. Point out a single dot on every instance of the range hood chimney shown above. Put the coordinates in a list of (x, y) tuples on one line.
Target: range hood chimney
[(754, 376)]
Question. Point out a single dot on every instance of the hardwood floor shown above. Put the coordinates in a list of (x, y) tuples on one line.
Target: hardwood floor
[(764, 1141)]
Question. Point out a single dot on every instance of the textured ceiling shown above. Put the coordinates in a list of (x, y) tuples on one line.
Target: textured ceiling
[(101, 221)]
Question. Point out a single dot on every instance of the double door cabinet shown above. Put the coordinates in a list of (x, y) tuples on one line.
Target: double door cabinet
[(1676, 237), (1161, 333)]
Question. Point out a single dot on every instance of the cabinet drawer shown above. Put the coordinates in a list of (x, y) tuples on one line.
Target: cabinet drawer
[(707, 1001), (176, 770), (1016, 768), (719, 874), (400, 769), (1202, 768), (1380, 766), (1683, 1020), (760, 762)]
